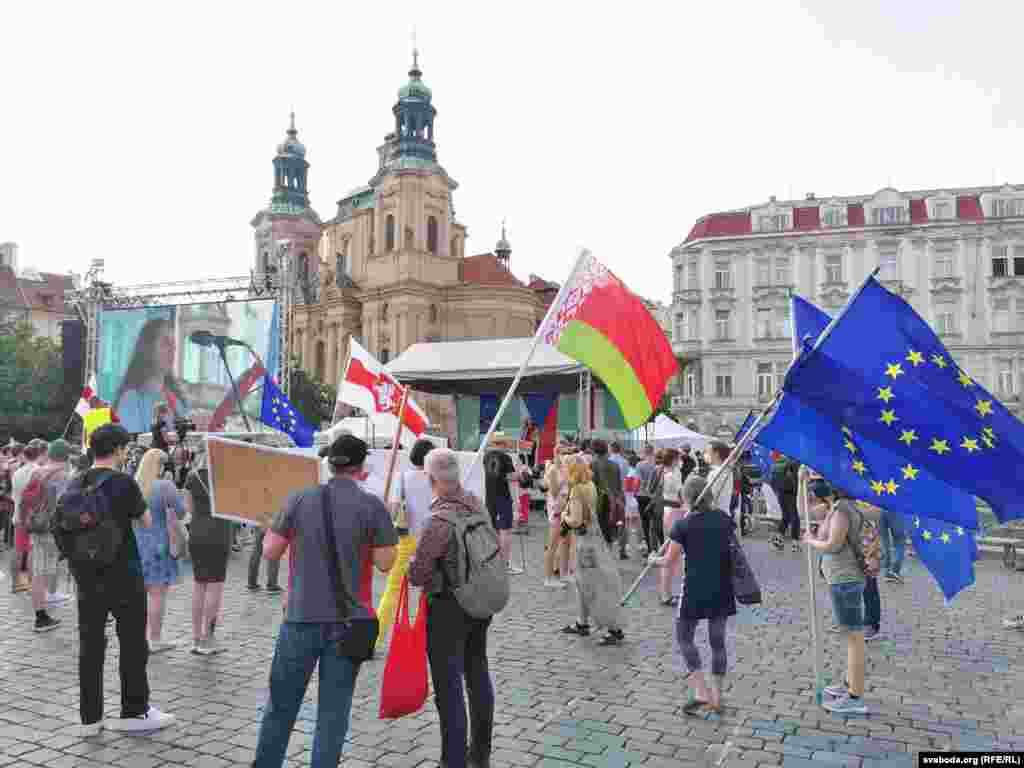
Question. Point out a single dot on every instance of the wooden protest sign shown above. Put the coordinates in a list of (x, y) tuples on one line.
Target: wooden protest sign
[(250, 483)]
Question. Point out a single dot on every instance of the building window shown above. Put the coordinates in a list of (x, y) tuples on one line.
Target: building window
[(433, 313), (765, 381), (776, 223), (1005, 208), (896, 214), (321, 358), (690, 386), (389, 233), (888, 265), (945, 321), (764, 271), (763, 327), (432, 234), (944, 263), (1018, 261), (782, 330), (723, 276), (782, 273), (834, 268), (1004, 378), (693, 327), (1020, 315), (384, 312), (723, 381), (385, 355), (677, 278), (1001, 316), (942, 211), (835, 217), (691, 275), (722, 324), (1000, 262), (681, 330)]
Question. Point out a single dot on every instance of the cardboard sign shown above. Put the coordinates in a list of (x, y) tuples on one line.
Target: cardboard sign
[(250, 483)]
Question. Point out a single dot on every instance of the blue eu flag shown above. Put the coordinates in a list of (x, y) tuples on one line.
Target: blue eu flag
[(760, 456), (278, 413), (881, 374), (870, 471)]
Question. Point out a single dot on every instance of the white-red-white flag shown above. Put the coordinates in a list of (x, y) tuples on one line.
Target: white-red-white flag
[(367, 386), (85, 401)]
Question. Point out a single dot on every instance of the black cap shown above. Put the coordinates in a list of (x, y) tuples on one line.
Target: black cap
[(346, 451)]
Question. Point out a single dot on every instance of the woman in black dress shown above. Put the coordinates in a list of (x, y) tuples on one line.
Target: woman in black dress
[(210, 545), (705, 536)]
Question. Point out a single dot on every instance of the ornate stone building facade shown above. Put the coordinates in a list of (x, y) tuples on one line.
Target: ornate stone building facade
[(956, 255), (390, 267)]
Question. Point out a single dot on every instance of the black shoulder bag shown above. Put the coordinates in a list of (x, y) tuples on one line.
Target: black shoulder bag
[(359, 635)]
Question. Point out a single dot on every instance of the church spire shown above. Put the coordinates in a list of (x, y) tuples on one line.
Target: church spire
[(414, 116), (290, 169), (503, 250)]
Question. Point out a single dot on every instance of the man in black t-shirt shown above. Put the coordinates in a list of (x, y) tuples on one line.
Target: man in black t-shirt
[(119, 590), (499, 469)]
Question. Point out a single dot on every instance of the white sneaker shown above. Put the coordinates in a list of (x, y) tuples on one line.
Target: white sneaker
[(552, 583), (210, 646), (514, 571), (153, 720), (1016, 622), (57, 598), (161, 646), (85, 731)]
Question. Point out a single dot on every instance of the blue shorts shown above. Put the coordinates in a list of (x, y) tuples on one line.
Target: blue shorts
[(502, 514), (848, 605)]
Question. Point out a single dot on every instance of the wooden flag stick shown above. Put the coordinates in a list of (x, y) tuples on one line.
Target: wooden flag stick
[(394, 447)]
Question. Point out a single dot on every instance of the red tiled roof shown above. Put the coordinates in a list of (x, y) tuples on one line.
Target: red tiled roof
[(855, 215), (806, 218), (721, 225), (969, 208), (540, 284), (47, 294), (486, 269)]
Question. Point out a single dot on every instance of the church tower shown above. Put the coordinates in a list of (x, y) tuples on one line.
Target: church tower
[(414, 117), (290, 217), (503, 250)]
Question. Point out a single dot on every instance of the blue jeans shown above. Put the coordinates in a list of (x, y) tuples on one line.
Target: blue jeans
[(893, 538), (300, 647), (848, 605)]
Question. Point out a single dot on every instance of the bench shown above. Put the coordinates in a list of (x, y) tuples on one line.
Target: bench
[(1009, 549)]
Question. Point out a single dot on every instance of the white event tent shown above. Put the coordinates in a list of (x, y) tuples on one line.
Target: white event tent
[(669, 434)]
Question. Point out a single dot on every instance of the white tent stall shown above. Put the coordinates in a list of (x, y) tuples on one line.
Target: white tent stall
[(670, 434)]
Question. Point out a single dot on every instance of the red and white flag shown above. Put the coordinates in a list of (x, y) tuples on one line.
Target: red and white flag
[(88, 393), (367, 386)]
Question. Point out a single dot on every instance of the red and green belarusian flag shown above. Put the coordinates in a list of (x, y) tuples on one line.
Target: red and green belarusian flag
[(602, 324)]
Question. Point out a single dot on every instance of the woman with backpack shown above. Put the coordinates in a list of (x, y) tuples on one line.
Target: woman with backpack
[(158, 544), (704, 535), (598, 583), (845, 565)]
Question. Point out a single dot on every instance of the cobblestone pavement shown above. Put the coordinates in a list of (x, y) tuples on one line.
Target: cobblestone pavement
[(945, 678)]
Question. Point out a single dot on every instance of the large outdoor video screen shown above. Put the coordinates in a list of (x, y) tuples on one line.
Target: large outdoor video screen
[(184, 357)]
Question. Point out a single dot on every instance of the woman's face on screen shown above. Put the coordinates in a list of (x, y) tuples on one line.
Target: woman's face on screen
[(165, 349)]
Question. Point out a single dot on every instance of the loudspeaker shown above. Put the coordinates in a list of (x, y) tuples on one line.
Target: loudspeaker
[(72, 341)]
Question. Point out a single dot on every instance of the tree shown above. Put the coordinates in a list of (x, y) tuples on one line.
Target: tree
[(33, 399), (315, 401)]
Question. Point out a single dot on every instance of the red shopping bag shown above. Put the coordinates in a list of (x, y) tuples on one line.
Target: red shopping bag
[(404, 686)]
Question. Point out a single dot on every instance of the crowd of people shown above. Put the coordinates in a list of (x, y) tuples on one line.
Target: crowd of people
[(678, 509)]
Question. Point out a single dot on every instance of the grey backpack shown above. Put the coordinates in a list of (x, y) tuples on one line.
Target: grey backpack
[(480, 584)]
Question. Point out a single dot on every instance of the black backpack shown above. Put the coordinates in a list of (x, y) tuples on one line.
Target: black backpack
[(85, 528)]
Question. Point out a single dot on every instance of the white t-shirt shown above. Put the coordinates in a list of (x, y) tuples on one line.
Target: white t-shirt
[(415, 485), (19, 482), (721, 489)]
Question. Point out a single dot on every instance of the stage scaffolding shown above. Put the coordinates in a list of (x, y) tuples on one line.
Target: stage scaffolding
[(97, 295)]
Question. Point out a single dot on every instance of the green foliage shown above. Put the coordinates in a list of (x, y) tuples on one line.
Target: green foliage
[(315, 401), (33, 399)]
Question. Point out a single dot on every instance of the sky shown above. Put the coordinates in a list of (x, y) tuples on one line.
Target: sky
[(144, 134)]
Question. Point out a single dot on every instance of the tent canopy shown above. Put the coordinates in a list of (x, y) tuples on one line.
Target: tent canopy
[(484, 367), (669, 434)]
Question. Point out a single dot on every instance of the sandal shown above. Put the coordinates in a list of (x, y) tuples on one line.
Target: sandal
[(583, 630), (694, 707)]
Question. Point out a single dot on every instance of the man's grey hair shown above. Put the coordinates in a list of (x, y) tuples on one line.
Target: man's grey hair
[(443, 465)]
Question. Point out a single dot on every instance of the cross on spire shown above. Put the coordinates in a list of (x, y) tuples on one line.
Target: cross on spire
[(291, 128)]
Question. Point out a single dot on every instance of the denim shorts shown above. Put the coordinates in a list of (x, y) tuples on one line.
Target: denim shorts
[(502, 514), (848, 605)]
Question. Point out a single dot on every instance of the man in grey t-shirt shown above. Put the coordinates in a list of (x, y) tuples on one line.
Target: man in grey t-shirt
[(312, 625)]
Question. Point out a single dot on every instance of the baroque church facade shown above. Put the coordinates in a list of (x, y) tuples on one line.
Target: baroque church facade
[(390, 267)]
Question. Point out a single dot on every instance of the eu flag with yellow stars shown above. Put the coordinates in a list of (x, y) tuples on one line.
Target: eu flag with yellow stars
[(278, 413), (880, 372), (760, 456), (881, 477)]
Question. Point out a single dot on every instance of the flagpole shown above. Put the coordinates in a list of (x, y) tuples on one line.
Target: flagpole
[(394, 447), (802, 502), (733, 457), (522, 368)]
